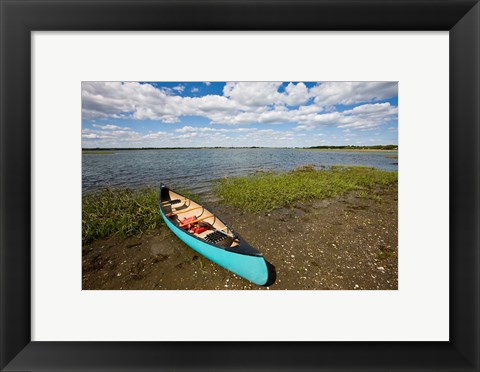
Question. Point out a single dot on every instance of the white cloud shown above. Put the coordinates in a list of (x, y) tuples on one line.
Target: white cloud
[(119, 100), (110, 127), (253, 94), (348, 93), (179, 88), (156, 135), (305, 127), (188, 129), (116, 135), (90, 135), (261, 94), (296, 94), (245, 103), (369, 116), (190, 136), (369, 109), (361, 117), (194, 90)]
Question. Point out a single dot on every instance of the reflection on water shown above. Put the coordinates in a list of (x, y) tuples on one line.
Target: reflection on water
[(196, 169)]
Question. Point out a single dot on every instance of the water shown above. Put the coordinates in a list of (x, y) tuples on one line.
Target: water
[(196, 169)]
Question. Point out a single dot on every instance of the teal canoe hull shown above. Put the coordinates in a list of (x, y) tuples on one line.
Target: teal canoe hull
[(252, 268)]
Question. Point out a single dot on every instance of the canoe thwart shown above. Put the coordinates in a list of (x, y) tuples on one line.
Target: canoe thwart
[(183, 211), (174, 201)]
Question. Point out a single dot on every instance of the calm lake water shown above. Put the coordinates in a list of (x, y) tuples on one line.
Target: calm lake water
[(196, 169)]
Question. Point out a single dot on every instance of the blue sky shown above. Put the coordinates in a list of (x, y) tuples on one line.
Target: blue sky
[(270, 114)]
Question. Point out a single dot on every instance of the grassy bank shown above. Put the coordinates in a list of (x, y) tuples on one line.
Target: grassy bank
[(267, 191), (124, 212), (130, 213)]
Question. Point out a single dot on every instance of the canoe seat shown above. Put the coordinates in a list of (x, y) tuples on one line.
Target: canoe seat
[(219, 238), (174, 201)]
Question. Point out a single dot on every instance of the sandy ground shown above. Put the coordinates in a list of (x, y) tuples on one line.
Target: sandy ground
[(342, 243)]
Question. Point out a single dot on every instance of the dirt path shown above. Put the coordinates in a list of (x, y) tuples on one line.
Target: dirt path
[(342, 243)]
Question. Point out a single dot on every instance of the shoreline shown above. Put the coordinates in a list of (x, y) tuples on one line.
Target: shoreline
[(113, 150)]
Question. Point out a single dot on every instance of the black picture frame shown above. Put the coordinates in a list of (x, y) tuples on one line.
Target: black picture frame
[(18, 18)]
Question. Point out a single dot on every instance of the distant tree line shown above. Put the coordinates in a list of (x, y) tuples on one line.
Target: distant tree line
[(376, 147), (162, 148)]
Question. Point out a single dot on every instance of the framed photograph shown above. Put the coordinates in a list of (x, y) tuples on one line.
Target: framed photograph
[(242, 177)]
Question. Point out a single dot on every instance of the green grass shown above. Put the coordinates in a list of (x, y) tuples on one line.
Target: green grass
[(367, 194), (267, 191), (130, 213), (385, 255), (125, 212)]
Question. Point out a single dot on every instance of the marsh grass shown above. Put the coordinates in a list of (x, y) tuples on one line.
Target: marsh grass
[(367, 194), (267, 191), (125, 212), (133, 212)]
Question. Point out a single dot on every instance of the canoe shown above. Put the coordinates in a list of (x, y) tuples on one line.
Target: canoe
[(203, 231)]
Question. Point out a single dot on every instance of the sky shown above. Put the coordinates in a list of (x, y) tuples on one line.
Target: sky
[(238, 114)]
